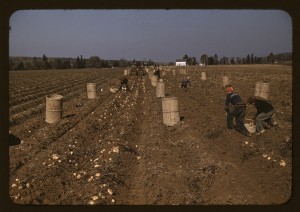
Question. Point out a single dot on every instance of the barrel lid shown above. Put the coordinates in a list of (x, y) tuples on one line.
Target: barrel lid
[(169, 98), (54, 97)]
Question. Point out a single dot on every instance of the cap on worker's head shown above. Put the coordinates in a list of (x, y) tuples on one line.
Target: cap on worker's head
[(229, 88)]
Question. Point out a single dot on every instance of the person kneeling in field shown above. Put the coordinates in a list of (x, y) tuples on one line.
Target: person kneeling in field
[(238, 112), (264, 113), (124, 84), (185, 83)]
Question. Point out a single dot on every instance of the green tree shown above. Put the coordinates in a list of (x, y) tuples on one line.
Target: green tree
[(270, 58), (66, 64), (216, 61), (79, 63), (193, 61), (186, 57), (104, 64), (224, 60), (248, 59), (57, 63), (116, 63), (28, 66), (204, 59), (232, 60), (11, 64), (189, 60), (211, 61), (123, 63), (20, 66), (36, 64), (94, 62), (45, 63), (150, 62)]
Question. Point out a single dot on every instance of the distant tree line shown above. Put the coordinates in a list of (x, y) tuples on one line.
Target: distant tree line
[(45, 63), (249, 59)]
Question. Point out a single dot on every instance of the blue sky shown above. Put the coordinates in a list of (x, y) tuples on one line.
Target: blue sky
[(159, 35)]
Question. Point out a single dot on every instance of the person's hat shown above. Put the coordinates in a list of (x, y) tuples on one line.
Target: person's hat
[(229, 89)]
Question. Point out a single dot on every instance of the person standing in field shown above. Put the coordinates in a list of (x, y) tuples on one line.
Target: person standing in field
[(157, 72), (264, 113), (185, 83), (238, 112), (133, 70)]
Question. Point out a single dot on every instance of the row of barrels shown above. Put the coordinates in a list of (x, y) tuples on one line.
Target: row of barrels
[(54, 103), (169, 104), (170, 109)]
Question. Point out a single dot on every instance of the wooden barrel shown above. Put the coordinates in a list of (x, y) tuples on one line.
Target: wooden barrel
[(225, 81), (264, 90), (154, 79), (257, 88), (160, 89), (203, 76), (170, 111), (53, 108), (151, 74), (91, 90), (182, 71)]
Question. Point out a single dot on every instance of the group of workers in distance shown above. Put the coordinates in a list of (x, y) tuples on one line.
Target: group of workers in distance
[(185, 83), (235, 107), (264, 112)]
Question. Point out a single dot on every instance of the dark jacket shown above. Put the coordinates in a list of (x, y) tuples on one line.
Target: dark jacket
[(157, 73), (185, 83), (234, 99), (124, 81), (263, 106)]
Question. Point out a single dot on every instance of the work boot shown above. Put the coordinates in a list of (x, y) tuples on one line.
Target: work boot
[(261, 132), (266, 125), (246, 133), (237, 129), (230, 127), (274, 124)]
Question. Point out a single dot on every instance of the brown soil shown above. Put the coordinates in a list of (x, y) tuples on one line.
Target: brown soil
[(116, 150)]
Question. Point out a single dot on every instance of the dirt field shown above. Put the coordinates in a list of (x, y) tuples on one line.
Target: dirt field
[(116, 150)]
